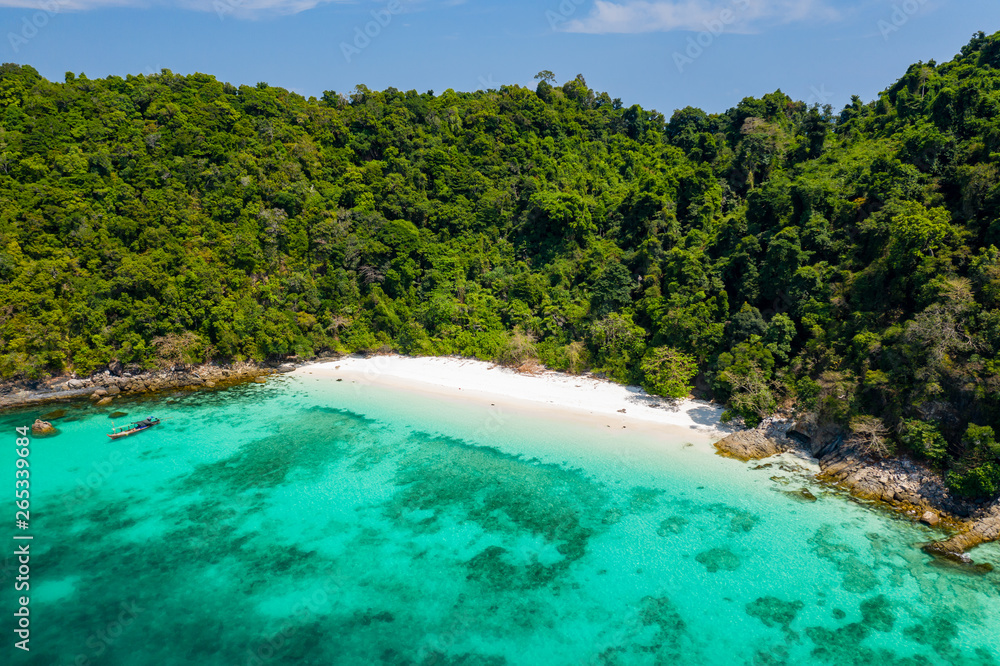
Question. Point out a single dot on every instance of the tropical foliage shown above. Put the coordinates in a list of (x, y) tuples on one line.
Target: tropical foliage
[(844, 263)]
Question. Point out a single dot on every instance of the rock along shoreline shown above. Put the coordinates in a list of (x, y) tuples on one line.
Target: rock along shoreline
[(104, 388), (899, 484)]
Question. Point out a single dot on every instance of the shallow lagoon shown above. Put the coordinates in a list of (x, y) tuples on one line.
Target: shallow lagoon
[(318, 522)]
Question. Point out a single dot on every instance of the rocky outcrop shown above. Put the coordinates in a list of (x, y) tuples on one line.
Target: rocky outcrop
[(749, 445), (984, 530), (40, 427), (903, 483), (109, 384), (854, 471), (912, 489), (817, 439), (900, 484)]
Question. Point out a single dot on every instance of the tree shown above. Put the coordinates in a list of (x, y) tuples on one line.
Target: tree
[(977, 483), (779, 335), (612, 290), (745, 378), (561, 214), (977, 474), (981, 441), (917, 233), (871, 435), (746, 323), (750, 392), (179, 348), (668, 372), (574, 353), (620, 344), (925, 440), (519, 351), (816, 127), (784, 258)]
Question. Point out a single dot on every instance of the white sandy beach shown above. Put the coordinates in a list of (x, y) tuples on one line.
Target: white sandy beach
[(580, 395)]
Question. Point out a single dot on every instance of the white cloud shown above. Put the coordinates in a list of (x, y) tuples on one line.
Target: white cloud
[(635, 16), (235, 8), (251, 8), (59, 6)]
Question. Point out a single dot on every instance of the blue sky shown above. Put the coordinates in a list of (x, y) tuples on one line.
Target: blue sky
[(662, 54)]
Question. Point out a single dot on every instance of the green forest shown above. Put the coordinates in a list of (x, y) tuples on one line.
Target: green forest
[(776, 256)]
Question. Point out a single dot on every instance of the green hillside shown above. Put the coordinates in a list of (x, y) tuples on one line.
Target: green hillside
[(845, 264)]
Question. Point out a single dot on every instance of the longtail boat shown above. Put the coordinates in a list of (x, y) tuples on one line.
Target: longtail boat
[(132, 428)]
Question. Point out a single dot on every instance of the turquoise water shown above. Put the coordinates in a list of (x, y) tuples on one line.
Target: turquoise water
[(319, 522)]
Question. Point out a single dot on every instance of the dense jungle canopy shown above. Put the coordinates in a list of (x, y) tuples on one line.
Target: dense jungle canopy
[(846, 265)]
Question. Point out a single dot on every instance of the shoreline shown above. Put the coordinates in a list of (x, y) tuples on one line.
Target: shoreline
[(105, 387), (584, 396), (899, 485)]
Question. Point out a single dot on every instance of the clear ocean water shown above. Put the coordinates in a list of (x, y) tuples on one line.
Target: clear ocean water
[(318, 522)]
